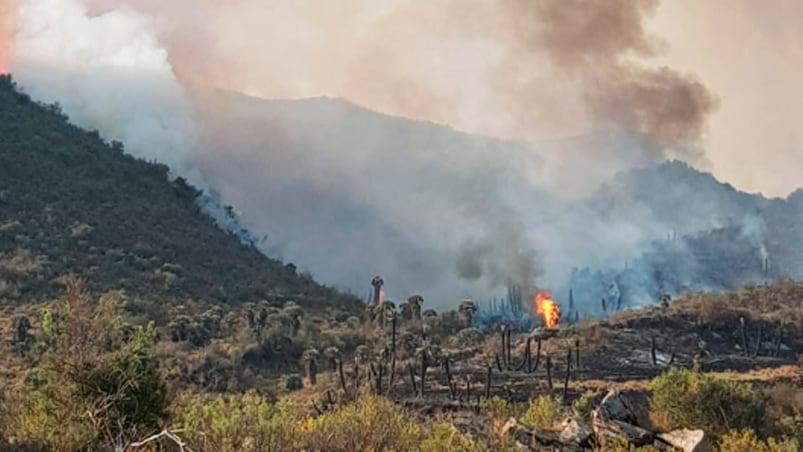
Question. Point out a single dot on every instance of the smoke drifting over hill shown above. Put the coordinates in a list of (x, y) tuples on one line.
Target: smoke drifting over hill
[(348, 193)]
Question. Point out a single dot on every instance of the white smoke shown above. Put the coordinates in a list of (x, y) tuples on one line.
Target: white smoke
[(107, 72)]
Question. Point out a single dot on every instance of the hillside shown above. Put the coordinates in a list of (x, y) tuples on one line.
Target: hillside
[(71, 203), (246, 354)]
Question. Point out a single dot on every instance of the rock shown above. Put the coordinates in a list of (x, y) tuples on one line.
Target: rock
[(687, 440), (630, 407), (536, 439), (617, 429), (576, 432)]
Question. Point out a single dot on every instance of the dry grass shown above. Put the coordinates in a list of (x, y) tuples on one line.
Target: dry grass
[(20, 262)]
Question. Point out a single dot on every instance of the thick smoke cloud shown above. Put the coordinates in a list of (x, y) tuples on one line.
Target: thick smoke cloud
[(594, 41), (346, 193), (107, 72)]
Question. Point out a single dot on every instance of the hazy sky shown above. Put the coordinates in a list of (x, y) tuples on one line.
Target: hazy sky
[(751, 56), (471, 67)]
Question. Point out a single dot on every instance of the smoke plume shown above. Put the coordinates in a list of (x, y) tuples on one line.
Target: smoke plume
[(565, 86), (594, 43)]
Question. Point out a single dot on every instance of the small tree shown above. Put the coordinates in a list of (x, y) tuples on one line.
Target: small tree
[(93, 385)]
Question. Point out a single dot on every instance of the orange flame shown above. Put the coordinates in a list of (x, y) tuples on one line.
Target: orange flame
[(547, 309)]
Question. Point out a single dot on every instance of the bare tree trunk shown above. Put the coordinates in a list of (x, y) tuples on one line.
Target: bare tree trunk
[(412, 378), (508, 350), (342, 378), (488, 383), (525, 360), (504, 347), (312, 372), (379, 378), (652, 352), (452, 389), (568, 373), (468, 388), (498, 364), (577, 353), (423, 370), (777, 350), (392, 353), (537, 355), (744, 337), (759, 339)]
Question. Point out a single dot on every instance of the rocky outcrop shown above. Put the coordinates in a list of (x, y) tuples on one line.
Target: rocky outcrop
[(687, 440), (620, 415)]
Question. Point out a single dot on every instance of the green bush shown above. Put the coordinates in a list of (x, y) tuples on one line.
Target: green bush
[(234, 423), (683, 399), (584, 404), (500, 409), (747, 441), (445, 437), (543, 412), (371, 423), (93, 384)]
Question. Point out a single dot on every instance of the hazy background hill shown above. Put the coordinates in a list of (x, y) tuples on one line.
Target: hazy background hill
[(348, 193)]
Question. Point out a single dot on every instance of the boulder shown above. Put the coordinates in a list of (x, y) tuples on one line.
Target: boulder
[(687, 440), (535, 439), (630, 407), (576, 432), (617, 429)]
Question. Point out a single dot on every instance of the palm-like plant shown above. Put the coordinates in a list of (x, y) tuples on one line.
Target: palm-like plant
[(415, 302), (466, 311), (310, 360)]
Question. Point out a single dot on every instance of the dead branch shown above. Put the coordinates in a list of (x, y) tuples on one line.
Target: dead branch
[(163, 434)]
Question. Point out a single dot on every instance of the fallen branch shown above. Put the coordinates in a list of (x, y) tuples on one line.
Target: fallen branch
[(163, 434)]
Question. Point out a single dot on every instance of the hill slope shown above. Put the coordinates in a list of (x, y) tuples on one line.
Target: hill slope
[(71, 203)]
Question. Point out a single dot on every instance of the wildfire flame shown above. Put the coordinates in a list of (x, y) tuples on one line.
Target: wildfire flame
[(547, 309)]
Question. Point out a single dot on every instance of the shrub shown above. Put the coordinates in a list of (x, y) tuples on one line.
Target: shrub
[(500, 409), (746, 441), (681, 398), (584, 404), (371, 423), (234, 423), (93, 385), (791, 428), (497, 411), (543, 412), (445, 437)]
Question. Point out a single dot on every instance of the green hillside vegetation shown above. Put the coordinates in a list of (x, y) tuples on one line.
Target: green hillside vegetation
[(69, 202)]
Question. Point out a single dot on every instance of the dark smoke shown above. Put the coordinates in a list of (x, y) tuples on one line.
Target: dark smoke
[(594, 42)]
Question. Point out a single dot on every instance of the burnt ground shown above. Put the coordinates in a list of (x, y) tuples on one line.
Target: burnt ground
[(614, 353)]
